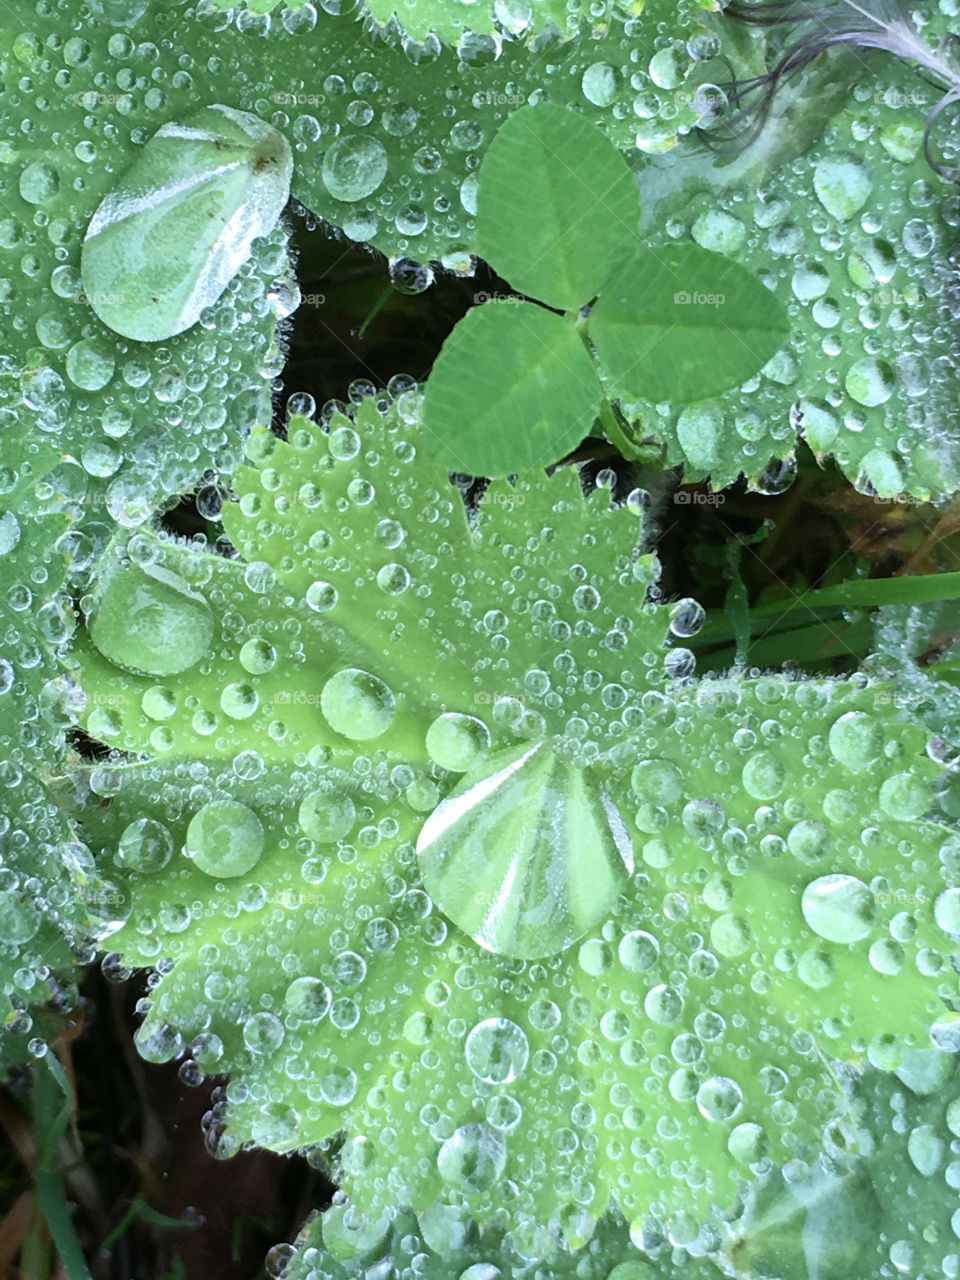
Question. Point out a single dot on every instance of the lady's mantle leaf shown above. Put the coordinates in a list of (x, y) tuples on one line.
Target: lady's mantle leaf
[(168, 239), (793, 887), (557, 205), (513, 388), (444, 1243)]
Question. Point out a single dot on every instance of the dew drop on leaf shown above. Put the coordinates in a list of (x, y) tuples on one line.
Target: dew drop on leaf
[(472, 1159), (497, 1051), (147, 619), (357, 705), (856, 740), (327, 815), (457, 742), (308, 999), (839, 908), (354, 167), (526, 854), (225, 838), (843, 185), (145, 845)]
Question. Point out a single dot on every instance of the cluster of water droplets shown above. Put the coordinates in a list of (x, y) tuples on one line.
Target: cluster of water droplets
[(856, 237), (435, 841)]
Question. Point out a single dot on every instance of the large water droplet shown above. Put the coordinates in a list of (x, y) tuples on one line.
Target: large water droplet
[(526, 854), (354, 167), (842, 184), (839, 908), (225, 838), (497, 1050), (357, 704), (472, 1159), (147, 619)]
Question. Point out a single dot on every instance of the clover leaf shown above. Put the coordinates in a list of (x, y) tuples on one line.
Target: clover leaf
[(510, 389), (362, 911)]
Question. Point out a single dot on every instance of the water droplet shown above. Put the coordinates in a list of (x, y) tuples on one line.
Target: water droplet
[(357, 704), (472, 1159), (839, 908), (354, 167), (225, 838), (526, 854), (179, 224), (457, 742), (842, 184), (145, 845), (497, 1050), (147, 619), (327, 815)]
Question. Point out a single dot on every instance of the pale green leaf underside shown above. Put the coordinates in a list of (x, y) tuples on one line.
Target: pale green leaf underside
[(557, 206), (680, 324), (512, 389), (775, 826), (170, 236)]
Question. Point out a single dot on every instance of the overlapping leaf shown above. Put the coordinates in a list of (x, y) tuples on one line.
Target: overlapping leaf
[(792, 887), (856, 238), (50, 894)]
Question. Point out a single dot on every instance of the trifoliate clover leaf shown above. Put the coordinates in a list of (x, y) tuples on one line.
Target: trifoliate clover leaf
[(691, 892), (557, 206), (512, 387), (444, 1243)]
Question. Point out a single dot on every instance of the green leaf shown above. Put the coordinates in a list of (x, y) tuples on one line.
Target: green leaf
[(869, 332), (176, 228), (51, 895), (444, 1243), (777, 826), (880, 1199), (679, 324), (513, 388), (455, 20), (557, 205)]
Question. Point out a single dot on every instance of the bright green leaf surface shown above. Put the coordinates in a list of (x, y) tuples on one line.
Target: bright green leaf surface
[(444, 1244), (170, 236), (454, 20), (680, 324), (512, 389), (557, 206), (792, 886)]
